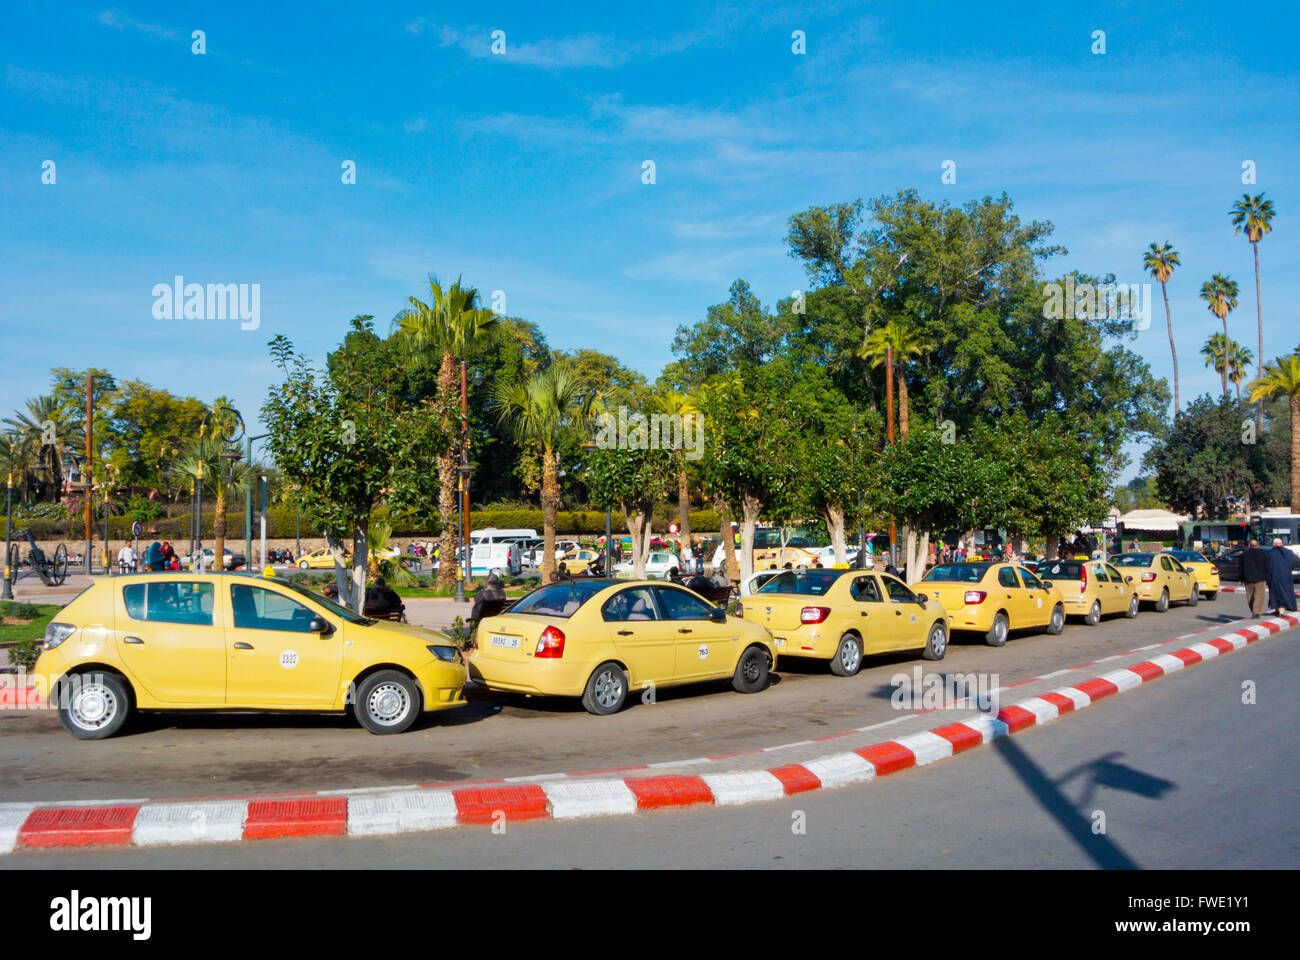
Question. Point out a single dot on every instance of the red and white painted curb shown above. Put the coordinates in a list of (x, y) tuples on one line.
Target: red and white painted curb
[(393, 810)]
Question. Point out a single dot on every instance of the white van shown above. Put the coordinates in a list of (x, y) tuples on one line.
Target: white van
[(488, 557), (496, 535)]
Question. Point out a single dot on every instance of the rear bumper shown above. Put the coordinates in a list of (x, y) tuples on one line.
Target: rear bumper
[(552, 678)]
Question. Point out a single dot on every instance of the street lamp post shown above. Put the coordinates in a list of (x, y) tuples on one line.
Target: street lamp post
[(248, 506), (462, 545)]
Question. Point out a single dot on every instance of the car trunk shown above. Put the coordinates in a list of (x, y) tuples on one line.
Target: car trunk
[(780, 611), (510, 638)]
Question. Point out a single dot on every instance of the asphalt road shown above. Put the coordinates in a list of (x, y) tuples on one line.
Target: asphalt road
[(508, 736), (1185, 773)]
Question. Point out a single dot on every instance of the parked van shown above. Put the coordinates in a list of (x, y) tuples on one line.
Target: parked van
[(495, 535), (487, 557)]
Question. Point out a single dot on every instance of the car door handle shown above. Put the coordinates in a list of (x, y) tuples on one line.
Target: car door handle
[(898, 613), (685, 630), (862, 613), (625, 633), (132, 640), (243, 646)]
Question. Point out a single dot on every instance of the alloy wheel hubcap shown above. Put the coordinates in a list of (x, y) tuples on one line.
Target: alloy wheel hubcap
[(388, 704), (850, 656), (937, 640), (608, 689)]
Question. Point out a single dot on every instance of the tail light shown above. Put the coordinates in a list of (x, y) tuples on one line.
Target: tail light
[(551, 643), (1083, 580), (974, 596), (1148, 577), (814, 614), (1214, 571)]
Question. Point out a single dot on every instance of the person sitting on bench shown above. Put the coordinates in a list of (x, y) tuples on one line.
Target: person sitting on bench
[(381, 599), (492, 590)]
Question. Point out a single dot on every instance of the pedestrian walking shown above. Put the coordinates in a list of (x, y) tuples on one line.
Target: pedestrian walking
[(1254, 574), (1281, 588)]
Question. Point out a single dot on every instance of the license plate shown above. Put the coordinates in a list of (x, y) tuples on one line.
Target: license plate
[(497, 640), (780, 641)]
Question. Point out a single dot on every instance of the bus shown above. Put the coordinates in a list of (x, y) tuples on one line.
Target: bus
[(1211, 536), (1267, 526)]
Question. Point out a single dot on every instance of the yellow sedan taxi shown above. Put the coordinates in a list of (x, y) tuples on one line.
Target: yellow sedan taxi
[(236, 641), (1160, 579), (1092, 589), (320, 559), (841, 615), (578, 561), (995, 598), (599, 639), (1206, 573)]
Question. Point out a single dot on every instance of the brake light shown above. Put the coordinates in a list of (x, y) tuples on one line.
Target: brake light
[(814, 614), (1148, 577), (551, 643), (1214, 571), (974, 596), (1083, 580)]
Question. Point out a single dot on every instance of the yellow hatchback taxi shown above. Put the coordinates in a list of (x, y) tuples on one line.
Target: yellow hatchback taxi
[(1160, 579), (320, 559), (995, 598), (579, 561), (841, 615), (1206, 573), (1092, 589), (599, 639), (236, 641)]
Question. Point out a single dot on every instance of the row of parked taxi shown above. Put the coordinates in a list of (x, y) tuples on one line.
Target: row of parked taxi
[(236, 641)]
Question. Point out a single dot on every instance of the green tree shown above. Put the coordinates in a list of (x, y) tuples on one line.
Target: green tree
[(1160, 261), (52, 434), (682, 407), (1220, 295), (904, 338), (631, 480), (1227, 355), (1281, 379)]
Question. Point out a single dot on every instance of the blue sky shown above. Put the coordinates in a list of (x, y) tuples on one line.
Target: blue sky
[(523, 171)]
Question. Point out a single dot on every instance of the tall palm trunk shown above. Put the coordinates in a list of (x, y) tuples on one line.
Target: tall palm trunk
[(1295, 452), (1173, 351), (447, 482), (550, 504), (902, 405), (1224, 368), (1259, 317), (683, 499)]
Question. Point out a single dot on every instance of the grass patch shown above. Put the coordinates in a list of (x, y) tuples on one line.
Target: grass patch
[(24, 623)]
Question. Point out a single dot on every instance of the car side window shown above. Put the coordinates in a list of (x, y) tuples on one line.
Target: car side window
[(1007, 577), (781, 583), (865, 590), (1115, 575), (170, 601), (898, 591), (1166, 563), (681, 605), (1031, 581), (634, 603), (257, 608)]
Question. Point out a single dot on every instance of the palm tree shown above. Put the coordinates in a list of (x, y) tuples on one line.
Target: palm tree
[(1236, 357), (1160, 262), (18, 459), (539, 413), (215, 463), (452, 323), (1255, 216), (1221, 295), (51, 446), (907, 341), (674, 403), (1281, 378)]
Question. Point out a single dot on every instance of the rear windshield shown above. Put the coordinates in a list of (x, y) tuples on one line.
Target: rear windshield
[(559, 599), (958, 572), (1189, 556), (812, 582), (1133, 559), (1061, 570)]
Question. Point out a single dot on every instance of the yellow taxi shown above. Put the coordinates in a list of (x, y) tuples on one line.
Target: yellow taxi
[(1092, 588), (599, 639), (994, 598), (840, 616), (236, 641), (1206, 573), (1160, 579), (320, 559), (578, 561)]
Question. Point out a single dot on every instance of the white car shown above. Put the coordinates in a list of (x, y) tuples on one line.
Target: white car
[(658, 565)]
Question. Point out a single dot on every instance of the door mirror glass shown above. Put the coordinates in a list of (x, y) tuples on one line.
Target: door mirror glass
[(718, 615), (320, 625)]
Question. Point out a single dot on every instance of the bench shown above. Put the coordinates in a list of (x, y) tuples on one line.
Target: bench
[(395, 614), (717, 595)]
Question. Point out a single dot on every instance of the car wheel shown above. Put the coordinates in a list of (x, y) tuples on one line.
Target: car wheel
[(936, 645), (1195, 598), (752, 670), (848, 656), (302, 565), (997, 634), (1094, 615), (1212, 595), (606, 690), (93, 706), (387, 702), (1133, 608), (1163, 603), (1056, 625)]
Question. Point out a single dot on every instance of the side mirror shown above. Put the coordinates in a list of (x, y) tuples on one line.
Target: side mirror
[(718, 615), (320, 625), (1048, 584), (1128, 579), (922, 599)]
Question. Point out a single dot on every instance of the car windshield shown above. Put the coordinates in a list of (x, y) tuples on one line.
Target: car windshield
[(812, 582), (1134, 559), (350, 616), (559, 599), (1189, 556), (1060, 570), (958, 572)]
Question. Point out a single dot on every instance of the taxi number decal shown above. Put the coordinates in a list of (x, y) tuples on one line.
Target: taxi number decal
[(704, 651), (289, 659), (1040, 602)]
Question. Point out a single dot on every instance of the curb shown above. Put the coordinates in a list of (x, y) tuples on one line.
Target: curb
[(389, 811)]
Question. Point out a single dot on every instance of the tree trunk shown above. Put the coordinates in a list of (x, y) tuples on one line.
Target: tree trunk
[(728, 541), (902, 405), (1295, 454), (1173, 351), (550, 504), (447, 482), (341, 579), (1225, 355), (219, 531), (683, 499), (749, 507), (915, 555), (1259, 357), (834, 519), (360, 563)]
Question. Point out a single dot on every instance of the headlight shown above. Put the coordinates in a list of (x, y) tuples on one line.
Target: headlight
[(56, 633), (445, 653)]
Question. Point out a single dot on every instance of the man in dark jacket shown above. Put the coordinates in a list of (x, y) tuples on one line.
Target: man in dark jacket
[(1254, 574), (1281, 588), (492, 590), (381, 597)]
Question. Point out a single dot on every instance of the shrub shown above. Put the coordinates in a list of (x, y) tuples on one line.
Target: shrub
[(24, 654)]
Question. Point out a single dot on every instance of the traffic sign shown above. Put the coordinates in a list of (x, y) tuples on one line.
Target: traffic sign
[(136, 530)]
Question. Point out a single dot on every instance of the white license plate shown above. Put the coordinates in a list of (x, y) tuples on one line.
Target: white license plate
[(497, 640)]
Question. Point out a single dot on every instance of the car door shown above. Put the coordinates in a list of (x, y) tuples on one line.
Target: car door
[(702, 648), (1038, 601), (172, 639), (872, 615), (643, 638), (1180, 577), (275, 659), (1119, 591), (1013, 597), (909, 614)]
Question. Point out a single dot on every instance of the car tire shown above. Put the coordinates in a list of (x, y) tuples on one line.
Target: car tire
[(848, 656), (1056, 625), (1163, 603), (606, 690), (751, 671), (997, 634), (1195, 598), (93, 706), (1212, 595), (936, 644), (388, 701), (1134, 606), (302, 565), (1093, 616)]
